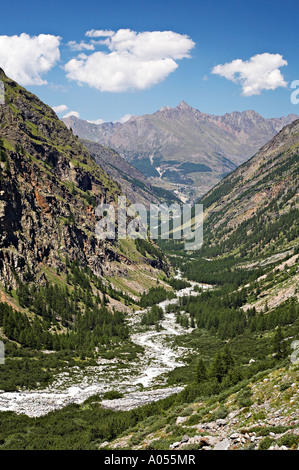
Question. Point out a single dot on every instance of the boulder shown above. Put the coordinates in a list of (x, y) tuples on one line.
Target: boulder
[(221, 422), (181, 419), (209, 441), (222, 445), (175, 445)]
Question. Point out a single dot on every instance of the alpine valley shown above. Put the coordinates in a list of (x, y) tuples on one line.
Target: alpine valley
[(139, 344), (182, 149)]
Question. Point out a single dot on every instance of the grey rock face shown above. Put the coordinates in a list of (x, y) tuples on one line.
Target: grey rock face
[(222, 445)]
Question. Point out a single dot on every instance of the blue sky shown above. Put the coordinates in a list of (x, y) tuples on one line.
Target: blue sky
[(252, 47)]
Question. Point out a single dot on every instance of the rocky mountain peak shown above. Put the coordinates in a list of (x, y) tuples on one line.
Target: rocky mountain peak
[(183, 146), (184, 106)]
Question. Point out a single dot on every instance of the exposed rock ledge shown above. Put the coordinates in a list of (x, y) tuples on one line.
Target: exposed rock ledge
[(135, 399)]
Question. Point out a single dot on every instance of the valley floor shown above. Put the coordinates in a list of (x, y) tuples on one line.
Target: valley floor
[(138, 381)]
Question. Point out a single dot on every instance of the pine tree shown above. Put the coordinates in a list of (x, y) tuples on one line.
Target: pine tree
[(201, 371), (218, 367), (279, 345)]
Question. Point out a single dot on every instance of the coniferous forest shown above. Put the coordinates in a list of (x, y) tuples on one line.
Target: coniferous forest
[(116, 335)]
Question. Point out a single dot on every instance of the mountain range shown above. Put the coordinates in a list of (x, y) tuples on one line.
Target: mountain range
[(265, 184), (95, 329), (182, 149), (253, 213), (247, 325), (50, 188)]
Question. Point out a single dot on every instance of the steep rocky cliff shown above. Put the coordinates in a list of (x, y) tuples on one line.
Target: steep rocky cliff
[(134, 184), (261, 192), (49, 189)]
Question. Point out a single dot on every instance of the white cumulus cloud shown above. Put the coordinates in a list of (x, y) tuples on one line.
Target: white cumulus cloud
[(26, 58), (152, 45), (60, 108), (99, 33), (124, 118), (97, 121), (72, 113), (80, 46), (134, 61), (260, 72)]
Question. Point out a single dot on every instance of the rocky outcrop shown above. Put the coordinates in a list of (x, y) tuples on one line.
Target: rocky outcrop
[(49, 189), (270, 423), (265, 184), (134, 185)]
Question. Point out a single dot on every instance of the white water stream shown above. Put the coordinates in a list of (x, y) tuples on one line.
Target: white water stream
[(75, 386)]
